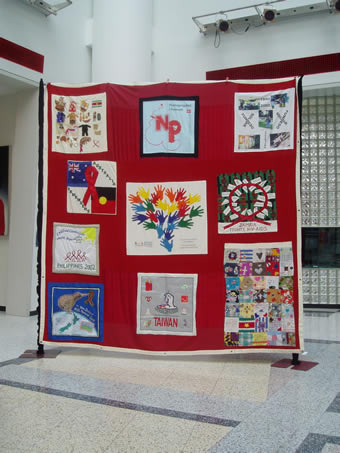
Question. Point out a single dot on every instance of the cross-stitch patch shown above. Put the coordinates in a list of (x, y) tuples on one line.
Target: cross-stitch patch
[(166, 304), (246, 324), (91, 187), (247, 202)]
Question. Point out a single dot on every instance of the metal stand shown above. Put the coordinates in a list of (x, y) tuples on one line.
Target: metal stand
[(295, 360), (40, 350)]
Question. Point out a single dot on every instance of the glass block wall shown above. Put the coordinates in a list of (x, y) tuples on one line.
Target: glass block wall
[(320, 187)]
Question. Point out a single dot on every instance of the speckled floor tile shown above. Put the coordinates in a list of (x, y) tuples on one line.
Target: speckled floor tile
[(331, 448), (328, 424), (154, 433), (41, 420), (204, 436)]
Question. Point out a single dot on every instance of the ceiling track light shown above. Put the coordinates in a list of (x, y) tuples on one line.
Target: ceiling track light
[(269, 15), (239, 20), (222, 25)]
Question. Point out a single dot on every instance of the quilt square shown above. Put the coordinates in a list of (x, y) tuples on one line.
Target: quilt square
[(245, 339), (169, 126), (260, 295), (260, 338), (166, 304), (247, 203), (274, 339), (247, 310), (91, 187), (232, 310), (232, 283), (76, 311), (232, 296), (79, 124), (231, 338), (167, 218), (231, 269), (246, 283), (76, 249), (264, 121), (246, 296), (266, 302)]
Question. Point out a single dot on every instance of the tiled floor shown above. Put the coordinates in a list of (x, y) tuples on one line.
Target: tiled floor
[(89, 400)]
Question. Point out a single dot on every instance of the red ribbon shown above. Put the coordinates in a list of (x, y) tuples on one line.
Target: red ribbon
[(91, 175)]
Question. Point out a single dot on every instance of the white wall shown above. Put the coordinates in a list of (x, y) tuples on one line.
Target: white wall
[(22, 191), (61, 39), (7, 126), (122, 38), (182, 53)]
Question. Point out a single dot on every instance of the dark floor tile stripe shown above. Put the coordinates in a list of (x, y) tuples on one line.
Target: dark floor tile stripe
[(335, 405), (123, 405), (322, 341), (314, 443), (15, 362)]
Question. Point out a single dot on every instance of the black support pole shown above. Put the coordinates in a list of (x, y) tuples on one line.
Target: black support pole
[(295, 360), (40, 350)]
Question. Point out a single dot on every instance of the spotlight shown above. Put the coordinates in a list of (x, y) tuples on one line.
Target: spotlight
[(222, 25), (269, 15)]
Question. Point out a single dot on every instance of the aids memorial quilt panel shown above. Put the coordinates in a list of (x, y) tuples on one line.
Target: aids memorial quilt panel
[(170, 217)]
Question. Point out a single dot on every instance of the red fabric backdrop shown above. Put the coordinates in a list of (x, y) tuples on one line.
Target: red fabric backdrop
[(215, 156)]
